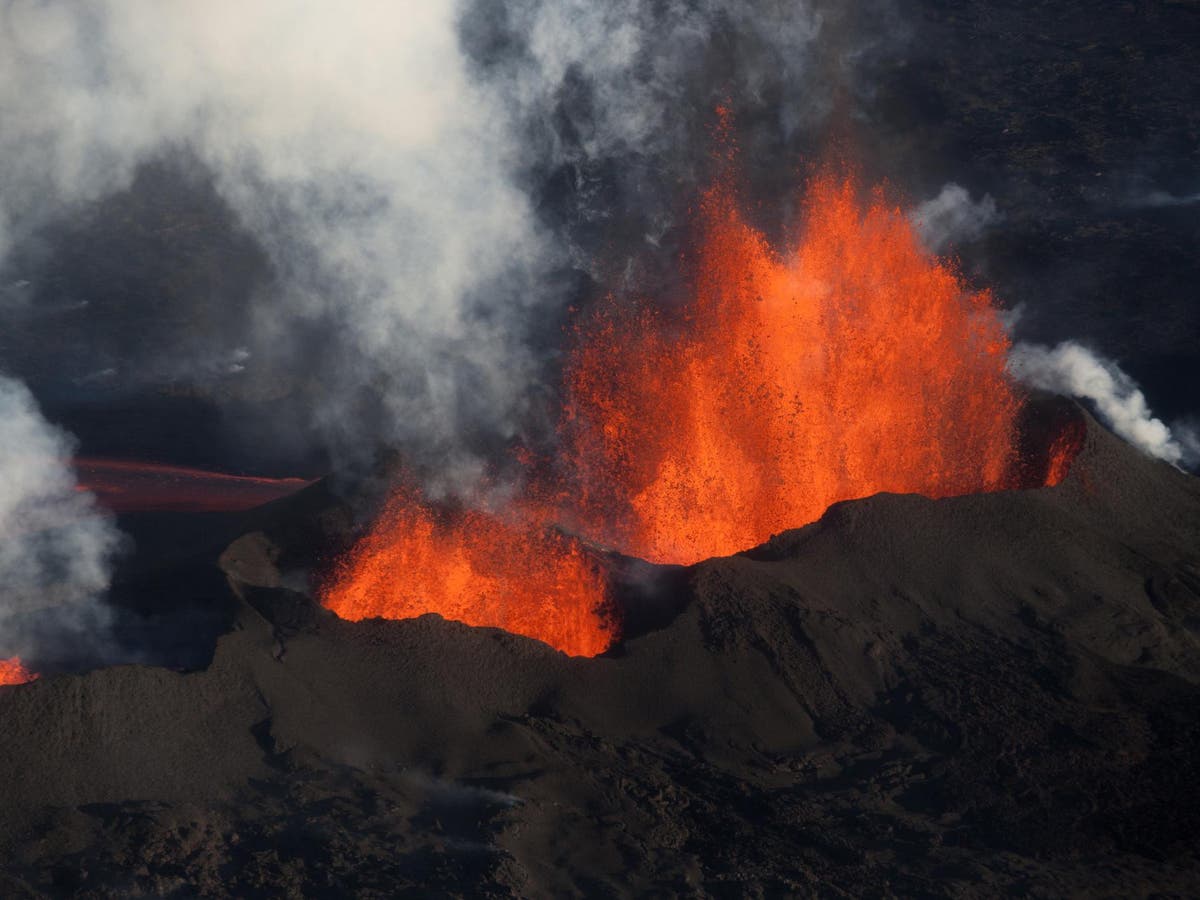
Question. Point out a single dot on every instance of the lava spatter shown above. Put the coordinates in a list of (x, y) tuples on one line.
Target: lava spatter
[(849, 364), (514, 572), (13, 672)]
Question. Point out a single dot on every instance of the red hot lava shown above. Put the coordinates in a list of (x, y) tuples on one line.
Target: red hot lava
[(131, 486), (13, 672), (846, 364), (517, 573), (1063, 450)]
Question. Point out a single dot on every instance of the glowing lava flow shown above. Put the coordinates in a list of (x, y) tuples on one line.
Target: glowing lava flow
[(133, 486), (850, 365), (1062, 452), (519, 575), (12, 672)]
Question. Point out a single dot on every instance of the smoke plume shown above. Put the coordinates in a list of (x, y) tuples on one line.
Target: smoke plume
[(1187, 432), (56, 546), (429, 185), (355, 149), (1073, 370), (1158, 198), (952, 217)]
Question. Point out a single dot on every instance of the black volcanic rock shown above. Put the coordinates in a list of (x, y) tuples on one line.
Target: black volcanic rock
[(961, 697)]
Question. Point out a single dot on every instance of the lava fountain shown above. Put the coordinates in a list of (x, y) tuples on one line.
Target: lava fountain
[(13, 672), (514, 572), (853, 363), (850, 364)]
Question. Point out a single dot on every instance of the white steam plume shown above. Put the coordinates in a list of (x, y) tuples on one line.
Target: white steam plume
[(56, 546), (1187, 432), (638, 58), (381, 153), (953, 217), (349, 141), (1075, 371), (618, 95)]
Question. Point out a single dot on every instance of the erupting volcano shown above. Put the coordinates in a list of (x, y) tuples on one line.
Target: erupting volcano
[(850, 365), (854, 363), (516, 573), (13, 672)]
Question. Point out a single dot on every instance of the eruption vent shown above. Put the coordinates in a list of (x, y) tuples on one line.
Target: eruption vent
[(12, 672), (852, 364), (849, 365), (517, 574)]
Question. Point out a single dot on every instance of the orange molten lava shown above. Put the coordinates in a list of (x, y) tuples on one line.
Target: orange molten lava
[(516, 574), (851, 364), (12, 672), (1063, 451)]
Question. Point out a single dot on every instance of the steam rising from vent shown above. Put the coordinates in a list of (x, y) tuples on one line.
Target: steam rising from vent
[(953, 217), (1187, 432), (1075, 371), (355, 148), (427, 191), (56, 545), (382, 157)]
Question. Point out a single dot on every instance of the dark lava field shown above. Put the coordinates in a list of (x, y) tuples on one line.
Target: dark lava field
[(982, 695)]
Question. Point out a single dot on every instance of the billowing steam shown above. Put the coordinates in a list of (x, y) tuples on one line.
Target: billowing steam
[(953, 217), (1073, 370), (353, 146), (430, 185), (427, 188), (1187, 432), (56, 546), (389, 158)]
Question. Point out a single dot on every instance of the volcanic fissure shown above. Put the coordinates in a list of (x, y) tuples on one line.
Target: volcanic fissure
[(851, 363)]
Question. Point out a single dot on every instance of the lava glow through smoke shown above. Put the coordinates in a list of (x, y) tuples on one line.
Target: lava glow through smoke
[(851, 364), (13, 672)]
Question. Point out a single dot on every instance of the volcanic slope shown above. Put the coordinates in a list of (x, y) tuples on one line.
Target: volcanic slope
[(944, 698)]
